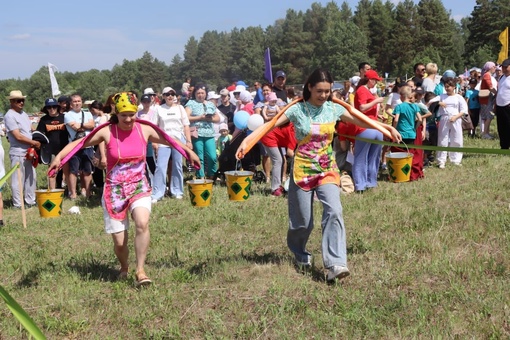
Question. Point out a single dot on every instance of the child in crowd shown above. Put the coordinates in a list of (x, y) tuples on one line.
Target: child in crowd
[(406, 118), (271, 109), (421, 132), (449, 132), (223, 139), (431, 127), (473, 104)]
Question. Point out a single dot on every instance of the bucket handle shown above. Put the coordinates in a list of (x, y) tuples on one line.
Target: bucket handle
[(406, 147)]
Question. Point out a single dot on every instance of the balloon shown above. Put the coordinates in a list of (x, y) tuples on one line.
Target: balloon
[(255, 121), (241, 119)]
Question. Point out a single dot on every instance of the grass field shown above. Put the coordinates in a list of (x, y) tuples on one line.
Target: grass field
[(428, 259)]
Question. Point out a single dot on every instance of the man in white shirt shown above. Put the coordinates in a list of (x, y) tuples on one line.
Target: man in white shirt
[(503, 106)]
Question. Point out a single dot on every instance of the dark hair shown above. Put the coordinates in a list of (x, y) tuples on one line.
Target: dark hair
[(317, 76), (428, 96), (199, 86), (417, 65), (114, 119), (96, 105), (107, 107), (450, 82), (362, 65), (290, 92)]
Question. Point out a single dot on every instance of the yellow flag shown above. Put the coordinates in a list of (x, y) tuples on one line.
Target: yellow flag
[(503, 38)]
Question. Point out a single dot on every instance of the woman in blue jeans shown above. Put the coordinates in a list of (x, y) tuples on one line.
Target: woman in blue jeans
[(173, 119), (202, 116)]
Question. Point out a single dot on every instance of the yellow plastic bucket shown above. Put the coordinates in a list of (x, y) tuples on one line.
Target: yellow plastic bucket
[(399, 166), (200, 192), (238, 185), (49, 202)]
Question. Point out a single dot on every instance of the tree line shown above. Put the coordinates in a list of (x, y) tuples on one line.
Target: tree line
[(392, 38)]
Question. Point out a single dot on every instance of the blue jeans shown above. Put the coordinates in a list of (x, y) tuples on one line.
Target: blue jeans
[(177, 177), (366, 160), (334, 248), (205, 148)]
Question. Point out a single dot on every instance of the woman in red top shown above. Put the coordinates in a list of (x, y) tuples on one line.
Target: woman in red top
[(364, 100), (487, 103)]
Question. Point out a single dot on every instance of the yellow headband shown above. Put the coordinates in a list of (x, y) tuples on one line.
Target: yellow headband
[(125, 102)]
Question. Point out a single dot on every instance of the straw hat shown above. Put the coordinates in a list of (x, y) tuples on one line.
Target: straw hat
[(16, 94)]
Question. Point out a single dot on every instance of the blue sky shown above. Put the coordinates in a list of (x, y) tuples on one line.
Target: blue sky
[(100, 34)]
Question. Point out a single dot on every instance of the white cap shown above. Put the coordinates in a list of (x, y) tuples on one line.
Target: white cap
[(354, 80), (148, 90), (212, 95), (240, 88)]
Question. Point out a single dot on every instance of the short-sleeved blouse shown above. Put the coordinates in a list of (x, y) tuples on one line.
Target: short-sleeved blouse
[(298, 115), (205, 129)]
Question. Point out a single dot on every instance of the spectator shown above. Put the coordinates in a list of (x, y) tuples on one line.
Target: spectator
[(79, 124), (471, 96), (52, 125), (172, 118), (419, 73), (259, 96), (487, 102), (429, 82), (202, 114), (503, 106), (148, 114), (227, 109), (19, 133), (279, 85), (364, 100), (452, 107), (224, 138)]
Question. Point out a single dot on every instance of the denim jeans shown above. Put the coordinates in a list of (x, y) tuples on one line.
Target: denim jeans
[(334, 248), (177, 177), (366, 160)]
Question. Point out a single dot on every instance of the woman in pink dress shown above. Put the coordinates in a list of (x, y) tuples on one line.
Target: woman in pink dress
[(126, 189)]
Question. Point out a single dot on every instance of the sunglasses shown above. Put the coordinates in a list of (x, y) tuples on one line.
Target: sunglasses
[(168, 94), (421, 69), (146, 101), (20, 100)]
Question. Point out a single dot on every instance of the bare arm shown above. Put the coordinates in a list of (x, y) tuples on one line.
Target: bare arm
[(25, 140)]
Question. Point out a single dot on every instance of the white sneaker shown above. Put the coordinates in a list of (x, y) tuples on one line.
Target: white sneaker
[(178, 197), (154, 201), (441, 166), (487, 136), (337, 272)]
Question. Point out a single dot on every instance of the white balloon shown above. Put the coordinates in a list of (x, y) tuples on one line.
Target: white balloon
[(255, 121)]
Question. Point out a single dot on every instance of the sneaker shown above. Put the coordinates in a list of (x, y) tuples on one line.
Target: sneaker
[(337, 272), (178, 197), (487, 136), (457, 164), (154, 201), (278, 192), (384, 166), (441, 166)]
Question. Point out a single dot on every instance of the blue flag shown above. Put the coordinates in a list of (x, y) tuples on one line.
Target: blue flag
[(268, 73)]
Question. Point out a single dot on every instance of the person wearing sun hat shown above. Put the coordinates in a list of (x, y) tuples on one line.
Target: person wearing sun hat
[(126, 189), (19, 133), (52, 125)]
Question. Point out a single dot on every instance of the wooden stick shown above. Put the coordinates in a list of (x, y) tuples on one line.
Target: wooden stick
[(23, 214)]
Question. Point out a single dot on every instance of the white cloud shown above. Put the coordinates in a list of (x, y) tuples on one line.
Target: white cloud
[(22, 36)]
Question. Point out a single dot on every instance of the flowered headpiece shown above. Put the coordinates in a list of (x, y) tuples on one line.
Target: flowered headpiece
[(125, 102)]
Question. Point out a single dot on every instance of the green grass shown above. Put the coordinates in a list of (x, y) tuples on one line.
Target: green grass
[(428, 259)]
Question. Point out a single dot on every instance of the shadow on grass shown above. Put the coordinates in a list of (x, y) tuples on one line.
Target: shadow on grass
[(89, 268)]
